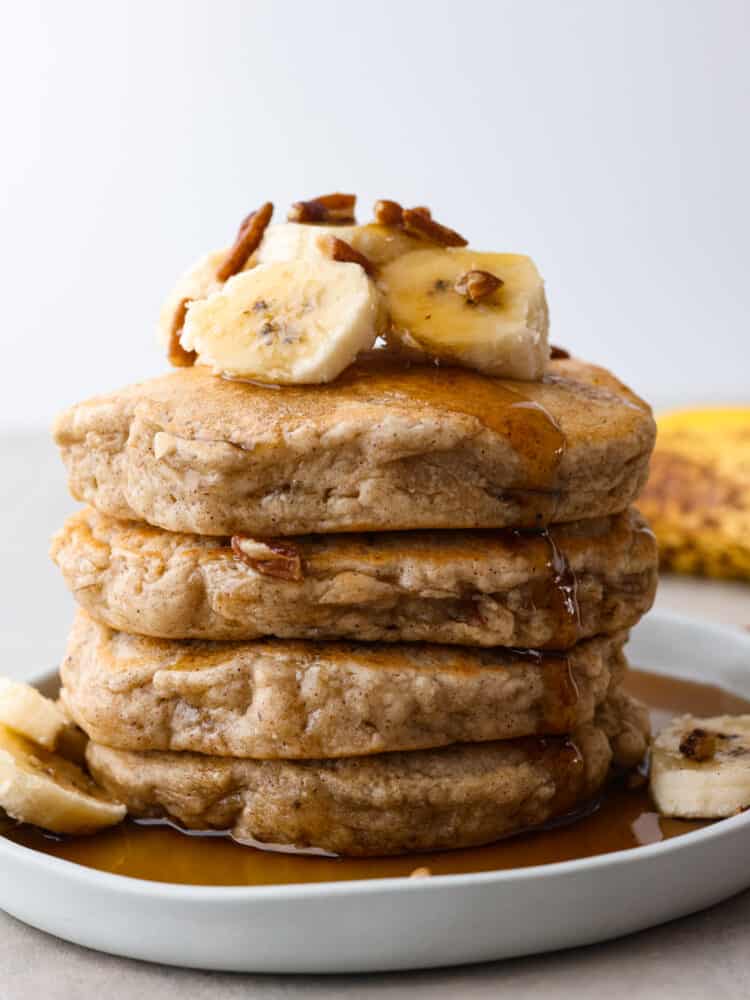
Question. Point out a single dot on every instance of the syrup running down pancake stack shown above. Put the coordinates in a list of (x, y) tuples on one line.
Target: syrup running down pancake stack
[(378, 614)]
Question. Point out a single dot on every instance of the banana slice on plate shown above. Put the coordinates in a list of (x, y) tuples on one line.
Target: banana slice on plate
[(302, 241), (41, 788), (297, 321), (700, 768), (481, 310), (26, 711)]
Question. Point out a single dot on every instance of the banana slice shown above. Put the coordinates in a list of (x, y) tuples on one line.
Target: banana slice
[(196, 283), (298, 321), (481, 310), (39, 787), (26, 711), (297, 241), (700, 768)]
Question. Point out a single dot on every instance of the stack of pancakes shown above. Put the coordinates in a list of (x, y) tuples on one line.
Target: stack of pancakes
[(381, 615)]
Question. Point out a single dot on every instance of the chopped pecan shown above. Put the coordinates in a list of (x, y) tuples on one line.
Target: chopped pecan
[(270, 557), (176, 353), (388, 213), (247, 241), (337, 209), (699, 745), (475, 285), (342, 251), (243, 225), (558, 353), (417, 223)]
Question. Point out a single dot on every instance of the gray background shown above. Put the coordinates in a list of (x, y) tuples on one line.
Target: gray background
[(607, 139)]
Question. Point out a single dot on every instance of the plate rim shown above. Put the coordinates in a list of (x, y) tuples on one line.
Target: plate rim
[(175, 892)]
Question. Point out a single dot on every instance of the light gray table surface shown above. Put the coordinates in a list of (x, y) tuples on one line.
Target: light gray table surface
[(700, 956)]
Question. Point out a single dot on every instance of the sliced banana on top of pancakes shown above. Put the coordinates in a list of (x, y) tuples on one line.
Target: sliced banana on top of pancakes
[(300, 321), (485, 311), (310, 296)]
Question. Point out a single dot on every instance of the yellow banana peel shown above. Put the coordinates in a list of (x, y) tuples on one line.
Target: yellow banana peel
[(698, 494)]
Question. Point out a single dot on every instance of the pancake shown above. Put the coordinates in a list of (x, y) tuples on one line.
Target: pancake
[(467, 588), (384, 447), (294, 699), (388, 804), (698, 493)]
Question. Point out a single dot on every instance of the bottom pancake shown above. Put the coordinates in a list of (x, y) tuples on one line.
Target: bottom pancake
[(395, 803)]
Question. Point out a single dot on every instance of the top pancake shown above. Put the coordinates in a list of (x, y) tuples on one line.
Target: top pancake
[(385, 447)]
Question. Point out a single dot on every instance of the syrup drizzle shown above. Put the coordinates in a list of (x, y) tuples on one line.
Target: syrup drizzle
[(564, 593), (560, 694), (623, 818), (535, 438), (555, 589)]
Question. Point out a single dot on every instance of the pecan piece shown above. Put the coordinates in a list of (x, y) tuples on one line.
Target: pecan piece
[(388, 213), (244, 224), (476, 285), (176, 353), (270, 557), (417, 222), (337, 209), (247, 242), (558, 353), (342, 251), (699, 745)]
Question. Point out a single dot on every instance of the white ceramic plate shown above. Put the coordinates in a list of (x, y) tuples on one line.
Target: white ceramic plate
[(383, 924)]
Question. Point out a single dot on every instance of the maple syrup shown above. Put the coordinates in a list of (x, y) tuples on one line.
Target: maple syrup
[(623, 818), (535, 437)]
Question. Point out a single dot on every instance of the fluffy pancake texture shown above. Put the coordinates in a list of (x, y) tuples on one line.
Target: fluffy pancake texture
[(388, 804), (382, 448), (288, 699), (468, 588)]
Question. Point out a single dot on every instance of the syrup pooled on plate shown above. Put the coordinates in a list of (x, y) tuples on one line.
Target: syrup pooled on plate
[(624, 818)]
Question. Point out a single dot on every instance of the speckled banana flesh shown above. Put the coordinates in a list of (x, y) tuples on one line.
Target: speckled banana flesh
[(294, 322), (700, 768), (44, 789), (501, 330)]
